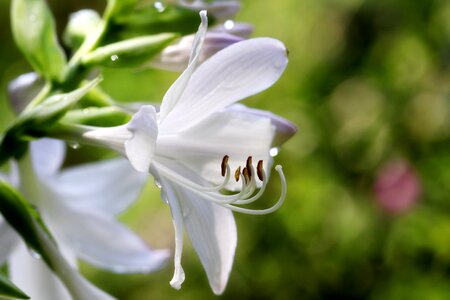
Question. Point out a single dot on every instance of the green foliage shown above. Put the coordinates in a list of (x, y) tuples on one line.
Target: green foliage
[(34, 122), (23, 218), (9, 290), (35, 34), (129, 53)]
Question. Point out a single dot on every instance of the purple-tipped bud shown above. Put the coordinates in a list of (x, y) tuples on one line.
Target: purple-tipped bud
[(243, 30), (218, 9), (397, 187), (176, 57), (23, 89)]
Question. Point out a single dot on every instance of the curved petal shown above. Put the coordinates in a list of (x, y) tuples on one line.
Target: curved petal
[(234, 73), (176, 90), (169, 195), (212, 231), (141, 146), (109, 186), (102, 241), (34, 277), (8, 240), (47, 156), (284, 129), (233, 133)]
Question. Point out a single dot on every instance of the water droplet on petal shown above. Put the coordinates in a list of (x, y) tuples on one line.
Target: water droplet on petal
[(159, 6), (34, 254), (228, 24), (74, 145), (273, 151), (114, 57), (158, 184)]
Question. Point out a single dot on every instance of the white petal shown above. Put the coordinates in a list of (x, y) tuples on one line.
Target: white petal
[(234, 73), (233, 133), (109, 186), (101, 240), (284, 129), (212, 231), (47, 156), (77, 285), (8, 240), (169, 195), (34, 277), (141, 146), (176, 91)]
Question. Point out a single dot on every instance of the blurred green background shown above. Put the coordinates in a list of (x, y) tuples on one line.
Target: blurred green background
[(368, 208)]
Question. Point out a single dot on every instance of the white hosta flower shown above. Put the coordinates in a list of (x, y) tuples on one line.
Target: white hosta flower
[(198, 138), (78, 205)]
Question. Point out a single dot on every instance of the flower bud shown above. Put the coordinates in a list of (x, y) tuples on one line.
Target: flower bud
[(81, 24), (218, 9), (130, 52), (235, 28), (176, 57)]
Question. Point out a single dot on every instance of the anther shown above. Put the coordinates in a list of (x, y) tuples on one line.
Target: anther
[(248, 166), (224, 165), (246, 174), (260, 170), (237, 174)]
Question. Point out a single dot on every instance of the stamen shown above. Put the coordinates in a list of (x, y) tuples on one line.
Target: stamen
[(224, 165), (260, 170), (246, 174), (248, 165), (267, 210), (237, 174)]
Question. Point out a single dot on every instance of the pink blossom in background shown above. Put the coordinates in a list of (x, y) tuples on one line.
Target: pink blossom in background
[(397, 186)]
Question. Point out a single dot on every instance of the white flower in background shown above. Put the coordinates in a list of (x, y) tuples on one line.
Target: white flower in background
[(78, 205), (199, 137), (176, 57), (222, 9)]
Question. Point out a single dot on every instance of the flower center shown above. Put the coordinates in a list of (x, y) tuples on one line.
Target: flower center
[(247, 175)]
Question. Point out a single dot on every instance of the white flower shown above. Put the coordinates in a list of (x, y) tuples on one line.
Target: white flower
[(198, 138), (222, 9), (78, 205)]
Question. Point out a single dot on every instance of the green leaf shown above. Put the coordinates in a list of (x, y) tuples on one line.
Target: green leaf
[(21, 216), (26, 221), (151, 20), (35, 34), (35, 122), (97, 116), (129, 52), (9, 290)]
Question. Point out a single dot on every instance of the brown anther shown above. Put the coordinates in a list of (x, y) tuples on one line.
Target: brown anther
[(249, 167), (260, 170), (224, 165), (246, 175), (237, 174)]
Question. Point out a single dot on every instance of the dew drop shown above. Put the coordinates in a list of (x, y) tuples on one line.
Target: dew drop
[(35, 254), (114, 57), (273, 151), (159, 6), (158, 184), (228, 24), (74, 145)]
